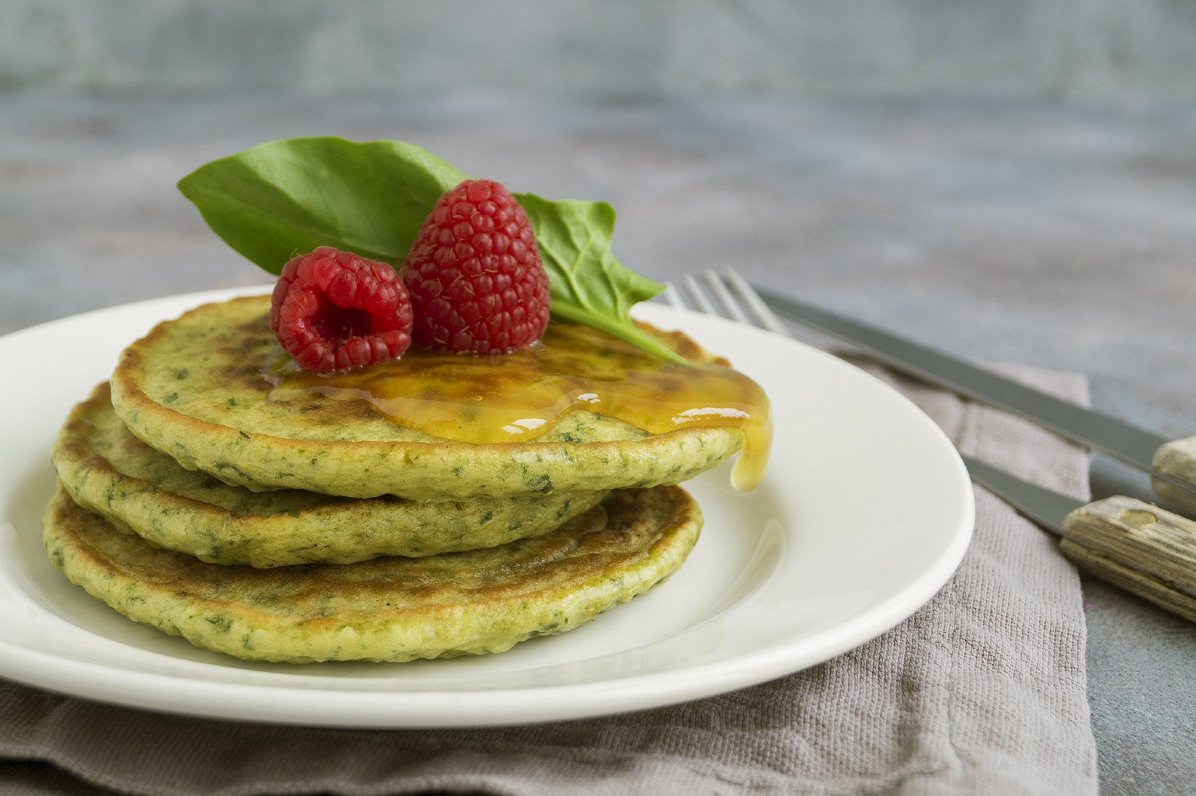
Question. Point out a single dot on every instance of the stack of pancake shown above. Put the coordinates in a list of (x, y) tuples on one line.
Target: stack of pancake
[(316, 528)]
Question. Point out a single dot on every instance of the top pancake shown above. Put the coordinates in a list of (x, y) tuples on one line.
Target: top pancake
[(194, 389)]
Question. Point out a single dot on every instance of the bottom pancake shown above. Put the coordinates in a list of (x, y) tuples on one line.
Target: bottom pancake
[(387, 609)]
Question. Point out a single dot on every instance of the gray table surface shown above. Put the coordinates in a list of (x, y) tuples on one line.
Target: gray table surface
[(1030, 233)]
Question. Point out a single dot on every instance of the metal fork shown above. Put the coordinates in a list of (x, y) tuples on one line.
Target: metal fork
[(727, 295)]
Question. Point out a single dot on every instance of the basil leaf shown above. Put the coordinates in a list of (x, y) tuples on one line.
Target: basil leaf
[(289, 196), (588, 284), (284, 197)]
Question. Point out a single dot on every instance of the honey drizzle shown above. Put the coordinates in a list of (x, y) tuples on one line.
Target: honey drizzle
[(518, 397)]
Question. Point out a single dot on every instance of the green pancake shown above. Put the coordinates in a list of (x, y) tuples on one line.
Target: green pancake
[(110, 472), (386, 609), (194, 389)]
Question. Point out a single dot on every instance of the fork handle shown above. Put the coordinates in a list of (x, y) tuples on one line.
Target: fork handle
[(1137, 546)]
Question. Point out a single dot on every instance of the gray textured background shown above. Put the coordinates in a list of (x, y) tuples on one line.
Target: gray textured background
[(1122, 52), (1011, 181)]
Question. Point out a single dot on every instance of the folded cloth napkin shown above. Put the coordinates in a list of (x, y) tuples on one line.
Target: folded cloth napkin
[(981, 691)]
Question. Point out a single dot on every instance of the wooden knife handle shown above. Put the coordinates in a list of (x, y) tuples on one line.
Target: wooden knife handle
[(1173, 472), (1136, 546)]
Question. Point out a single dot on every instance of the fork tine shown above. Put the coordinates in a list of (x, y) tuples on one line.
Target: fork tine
[(725, 298), (698, 296), (695, 293), (767, 318), (672, 297)]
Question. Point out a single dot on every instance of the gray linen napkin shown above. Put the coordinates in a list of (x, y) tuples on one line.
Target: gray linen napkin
[(982, 691)]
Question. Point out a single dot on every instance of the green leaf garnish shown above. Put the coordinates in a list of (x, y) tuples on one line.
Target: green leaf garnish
[(588, 284), (289, 196)]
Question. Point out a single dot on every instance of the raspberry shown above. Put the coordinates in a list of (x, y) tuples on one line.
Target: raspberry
[(333, 310), (475, 275)]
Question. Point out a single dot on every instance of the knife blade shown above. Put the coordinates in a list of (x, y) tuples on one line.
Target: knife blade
[(1135, 545), (1171, 463)]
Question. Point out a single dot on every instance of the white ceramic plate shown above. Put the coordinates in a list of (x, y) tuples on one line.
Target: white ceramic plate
[(865, 512)]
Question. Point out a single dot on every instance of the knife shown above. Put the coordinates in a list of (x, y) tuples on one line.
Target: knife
[(1131, 544), (1171, 463)]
